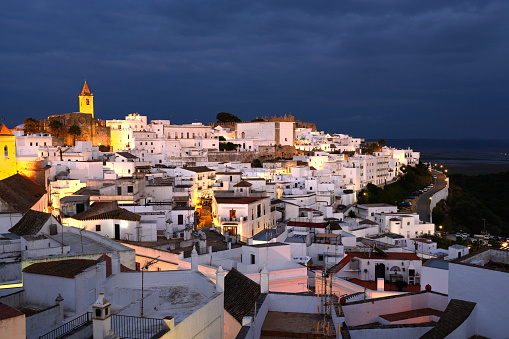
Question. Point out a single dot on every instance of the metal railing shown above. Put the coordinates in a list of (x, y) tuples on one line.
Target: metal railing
[(130, 327), (59, 332)]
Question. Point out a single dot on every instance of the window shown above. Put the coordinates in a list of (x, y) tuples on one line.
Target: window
[(129, 189), (98, 228), (6, 152), (253, 259), (180, 219), (320, 257), (30, 144), (119, 126)]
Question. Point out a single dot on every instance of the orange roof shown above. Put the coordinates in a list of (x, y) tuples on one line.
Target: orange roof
[(5, 131), (85, 90)]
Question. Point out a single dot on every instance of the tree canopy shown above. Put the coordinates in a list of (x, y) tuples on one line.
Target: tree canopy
[(30, 126), (75, 130), (56, 127), (227, 117)]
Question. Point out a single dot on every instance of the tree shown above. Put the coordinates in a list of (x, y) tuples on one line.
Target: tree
[(257, 120), (381, 143), (256, 163), (30, 126), (351, 214), (74, 130), (56, 127), (221, 138), (227, 117)]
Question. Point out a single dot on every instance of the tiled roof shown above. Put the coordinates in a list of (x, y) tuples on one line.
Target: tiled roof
[(31, 223), (5, 131), (198, 169), (61, 268), (240, 294), (7, 312), (455, 314), (243, 183), (238, 200), (127, 155), (20, 193), (367, 222), (117, 214), (307, 224)]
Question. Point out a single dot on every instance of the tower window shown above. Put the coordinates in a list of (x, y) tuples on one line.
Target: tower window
[(88, 102), (6, 152)]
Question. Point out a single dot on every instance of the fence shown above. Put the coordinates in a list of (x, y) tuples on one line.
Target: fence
[(130, 327), (59, 332)]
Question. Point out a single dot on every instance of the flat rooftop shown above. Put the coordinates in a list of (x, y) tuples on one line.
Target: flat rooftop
[(292, 325), (491, 259)]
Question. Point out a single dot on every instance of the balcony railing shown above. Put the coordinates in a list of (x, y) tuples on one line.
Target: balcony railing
[(59, 332), (126, 326)]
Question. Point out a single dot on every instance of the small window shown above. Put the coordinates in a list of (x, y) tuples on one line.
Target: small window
[(129, 189), (320, 257), (6, 152), (98, 228), (180, 219)]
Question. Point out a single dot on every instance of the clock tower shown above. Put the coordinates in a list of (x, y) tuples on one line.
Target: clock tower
[(86, 101)]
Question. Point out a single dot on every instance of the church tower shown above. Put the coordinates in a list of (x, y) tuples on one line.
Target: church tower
[(7, 152), (86, 101)]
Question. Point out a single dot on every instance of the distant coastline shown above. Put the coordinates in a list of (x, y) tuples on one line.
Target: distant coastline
[(461, 156)]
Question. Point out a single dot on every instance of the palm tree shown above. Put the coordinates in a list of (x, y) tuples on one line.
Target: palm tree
[(30, 126), (56, 127), (74, 130)]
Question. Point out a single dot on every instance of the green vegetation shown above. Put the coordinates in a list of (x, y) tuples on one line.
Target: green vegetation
[(56, 127), (104, 148), (221, 138), (415, 179), (400, 285), (75, 131), (30, 126), (472, 199), (256, 163), (227, 117), (257, 120), (227, 146)]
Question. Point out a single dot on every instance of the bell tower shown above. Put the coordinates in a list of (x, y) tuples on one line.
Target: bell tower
[(7, 152), (86, 100)]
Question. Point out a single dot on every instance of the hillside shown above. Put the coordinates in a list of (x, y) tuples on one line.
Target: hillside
[(472, 199)]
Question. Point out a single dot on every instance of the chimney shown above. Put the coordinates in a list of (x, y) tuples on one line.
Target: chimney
[(194, 259), (169, 322), (58, 301), (101, 317), (220, 279), (115, 263), (264, 280), (380, 284)]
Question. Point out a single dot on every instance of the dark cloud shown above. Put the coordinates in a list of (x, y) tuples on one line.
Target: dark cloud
[(390, 69)]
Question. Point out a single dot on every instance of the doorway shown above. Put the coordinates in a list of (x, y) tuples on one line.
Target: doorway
[(379, 271), (117, 232)]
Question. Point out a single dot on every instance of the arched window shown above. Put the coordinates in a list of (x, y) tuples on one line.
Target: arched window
[(6, 152), (88, 102)]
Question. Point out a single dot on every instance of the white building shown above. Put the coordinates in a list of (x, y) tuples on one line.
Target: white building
[(274, 133)]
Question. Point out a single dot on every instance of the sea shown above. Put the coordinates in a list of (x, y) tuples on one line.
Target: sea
[(468, 156)]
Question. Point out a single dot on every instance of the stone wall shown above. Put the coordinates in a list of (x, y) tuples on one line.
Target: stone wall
[(91, 129)]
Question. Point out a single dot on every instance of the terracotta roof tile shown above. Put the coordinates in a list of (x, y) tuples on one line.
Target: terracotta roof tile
[(20, 193), (61, 268), (455, 314), (238, 200), (198, 169), (243, 183), (31, 223), (5, 131), (7, 312), (240, 294)]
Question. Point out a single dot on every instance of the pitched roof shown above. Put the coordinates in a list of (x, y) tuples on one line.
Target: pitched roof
[(7, 312), (240, 294), (20, 193), (61, 268), (5, 131), (243, 183), (85, 90), (31, 223), (198, 169), (455, 314), (127, 155), (107, 259), (107, 211)]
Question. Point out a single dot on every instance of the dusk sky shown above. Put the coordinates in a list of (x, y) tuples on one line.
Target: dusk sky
[(371, 69)]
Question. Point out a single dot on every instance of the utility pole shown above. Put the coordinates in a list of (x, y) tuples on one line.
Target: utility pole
[(145, 267)]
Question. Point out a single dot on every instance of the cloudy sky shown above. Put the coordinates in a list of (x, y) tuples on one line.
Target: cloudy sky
[(369, 68)]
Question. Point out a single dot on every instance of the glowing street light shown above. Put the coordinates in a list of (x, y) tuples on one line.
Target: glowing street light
[(441, 166), (440, 226)]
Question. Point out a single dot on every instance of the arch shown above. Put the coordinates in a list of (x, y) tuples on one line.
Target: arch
[(243, 135)]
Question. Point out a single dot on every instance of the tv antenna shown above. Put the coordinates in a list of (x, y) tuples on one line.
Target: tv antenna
[(145, 267)]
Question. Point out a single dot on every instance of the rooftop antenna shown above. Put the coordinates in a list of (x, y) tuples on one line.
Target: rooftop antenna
[(145, 267)]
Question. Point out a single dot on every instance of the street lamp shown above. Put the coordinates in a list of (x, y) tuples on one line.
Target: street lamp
[(440, 226), (441, 166)]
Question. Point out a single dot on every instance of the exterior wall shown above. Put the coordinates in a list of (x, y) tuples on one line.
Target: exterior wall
[(207, 322), (437, 278), (37, 289), (487, 288), (41, 323), (91, 129), (7, 163), (13, 328), (389, 333), (231, 326)]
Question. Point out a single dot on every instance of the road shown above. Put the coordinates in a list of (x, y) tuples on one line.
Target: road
[(422, 205)]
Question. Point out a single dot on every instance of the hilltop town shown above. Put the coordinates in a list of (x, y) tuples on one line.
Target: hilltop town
[(139, 228)]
